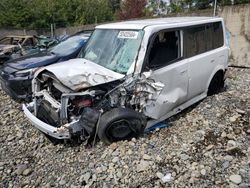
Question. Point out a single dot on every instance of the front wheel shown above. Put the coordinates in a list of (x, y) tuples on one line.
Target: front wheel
[(120, 124)]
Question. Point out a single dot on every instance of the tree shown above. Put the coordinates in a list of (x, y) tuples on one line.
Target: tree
[(132, 9), (115, 5), (40, 14), (89, 11), (157, 7)]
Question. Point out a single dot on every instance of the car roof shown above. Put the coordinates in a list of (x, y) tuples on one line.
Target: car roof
[(140, 24)]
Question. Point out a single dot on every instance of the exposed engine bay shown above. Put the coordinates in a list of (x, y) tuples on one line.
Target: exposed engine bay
[(80, 112)]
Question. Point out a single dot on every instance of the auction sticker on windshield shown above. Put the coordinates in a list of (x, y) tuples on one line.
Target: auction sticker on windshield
[(128, 35)]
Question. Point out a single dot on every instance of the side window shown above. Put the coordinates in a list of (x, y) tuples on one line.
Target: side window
[(218, 39), (194, 41), (165, 49)]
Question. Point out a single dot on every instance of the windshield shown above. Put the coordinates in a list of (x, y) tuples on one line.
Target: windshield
[(69, 46), (113, 49)]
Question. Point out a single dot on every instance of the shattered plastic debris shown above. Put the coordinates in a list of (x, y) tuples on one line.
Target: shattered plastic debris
[(167, 178), (156, 126)]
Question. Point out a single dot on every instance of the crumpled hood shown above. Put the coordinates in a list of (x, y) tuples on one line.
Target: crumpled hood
[(34, 60), (80, 73)]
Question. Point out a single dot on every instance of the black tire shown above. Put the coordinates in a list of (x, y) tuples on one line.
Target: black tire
[(120, 124), (216, 84)]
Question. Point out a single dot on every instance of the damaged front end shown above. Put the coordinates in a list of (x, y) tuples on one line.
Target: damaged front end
[(63, 113), (98, 94)]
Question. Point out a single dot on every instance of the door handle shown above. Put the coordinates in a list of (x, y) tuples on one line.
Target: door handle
[(212, 61)]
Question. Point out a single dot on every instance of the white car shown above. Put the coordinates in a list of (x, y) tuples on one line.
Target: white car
[(129, 76)]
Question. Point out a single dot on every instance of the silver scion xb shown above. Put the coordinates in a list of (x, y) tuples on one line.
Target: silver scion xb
[(129, 76)]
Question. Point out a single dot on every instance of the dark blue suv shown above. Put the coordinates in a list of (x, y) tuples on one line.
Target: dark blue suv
[(16, 75)]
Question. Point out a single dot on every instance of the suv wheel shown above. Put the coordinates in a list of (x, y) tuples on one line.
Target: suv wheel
[(120, 124)]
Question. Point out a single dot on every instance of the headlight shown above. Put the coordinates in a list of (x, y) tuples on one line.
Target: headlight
[(26, 72)]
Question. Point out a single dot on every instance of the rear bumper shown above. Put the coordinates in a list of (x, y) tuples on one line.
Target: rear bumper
[(59, 133)]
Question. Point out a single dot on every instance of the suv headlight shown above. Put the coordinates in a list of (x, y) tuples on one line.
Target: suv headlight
[(26, 72)]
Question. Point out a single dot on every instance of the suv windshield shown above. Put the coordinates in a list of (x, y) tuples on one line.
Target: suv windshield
[(69, 46), (113, 49)]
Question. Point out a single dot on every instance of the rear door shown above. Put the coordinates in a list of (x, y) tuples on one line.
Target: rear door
[(165, 59), (200, 43)]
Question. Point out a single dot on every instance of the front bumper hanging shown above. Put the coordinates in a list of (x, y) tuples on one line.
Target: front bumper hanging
[(59, 133)]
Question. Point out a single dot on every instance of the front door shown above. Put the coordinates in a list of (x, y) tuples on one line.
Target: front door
[(165, 59)]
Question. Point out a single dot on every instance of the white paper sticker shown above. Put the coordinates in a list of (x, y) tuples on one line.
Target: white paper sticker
[(128, 35)]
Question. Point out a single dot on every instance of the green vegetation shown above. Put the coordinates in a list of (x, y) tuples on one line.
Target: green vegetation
[(36, 14), (40, 14)]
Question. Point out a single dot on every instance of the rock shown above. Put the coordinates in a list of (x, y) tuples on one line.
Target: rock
[(20, 169), (233, 118), (223, 134), (19, 134), (133, 140), (142, 166), (235, 151), (129, 152), (244, 185), (235, 179), (115, 159), (225, 165), (228, 158), (119, 174), (203, 172), (98, 170), (158, 158), (27, 172), (146, 157), (184, 157), (240, 111), (115, 153), (10, 138), (231, 143), (209, 147), (85, 178), (199, 135), (159, 175), (62, 182)]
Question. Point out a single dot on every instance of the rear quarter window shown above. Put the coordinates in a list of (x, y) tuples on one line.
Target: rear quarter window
[(202, 38)]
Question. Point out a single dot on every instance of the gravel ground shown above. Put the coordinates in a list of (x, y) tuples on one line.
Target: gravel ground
[(207, 145)]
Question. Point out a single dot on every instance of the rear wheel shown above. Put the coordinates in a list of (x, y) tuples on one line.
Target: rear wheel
[(216, 84), (120, 124)]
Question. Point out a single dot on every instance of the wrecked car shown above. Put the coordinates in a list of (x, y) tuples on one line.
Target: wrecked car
[(16, 75), (128, 77), (13, 44)]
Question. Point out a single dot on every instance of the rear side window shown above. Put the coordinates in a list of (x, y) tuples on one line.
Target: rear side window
[(202, 38), (194, 41), (218, 39)]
